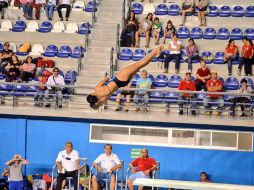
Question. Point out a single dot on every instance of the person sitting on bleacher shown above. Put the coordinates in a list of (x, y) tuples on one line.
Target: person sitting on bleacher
[(5, 56), (192, 53), (203, 177), (124, 93), (214, 85), (187, 7), (203, 74), (109, 163), (230, 53), (248, 52), (49, 8), (64, 4), (156, 30), (241, 63), (3, 4), (13, 69), (28, 69), (27, 8), (144, 166), (37, 4), (38, 97), (202, 11), (170, 30)]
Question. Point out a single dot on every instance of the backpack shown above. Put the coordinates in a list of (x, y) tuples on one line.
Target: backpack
[(46, 63)]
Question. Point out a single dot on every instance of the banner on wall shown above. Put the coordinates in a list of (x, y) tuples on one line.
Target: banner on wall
[(135, 152)]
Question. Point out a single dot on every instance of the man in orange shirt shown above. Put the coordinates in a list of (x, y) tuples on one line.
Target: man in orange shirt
[(188, 85), (214, 85)]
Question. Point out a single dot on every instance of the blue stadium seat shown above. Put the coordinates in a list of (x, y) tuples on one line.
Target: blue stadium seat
[(249, 82), (137, 8), (174, 10), (150, 77), (2, 76), (238, 11), (196, 11), (161, 9), (214, 11), (125, 54), (161, 81), (60, 72), (232, 83), (19, 26), (138, 54), (70, 77), (165, 52), (206, 54), (174, 81), (64, 51), (236, 34), (183, 57), (18, 90), (193, 78), (50, 51), (183, 32), (249, 33), (134, 80), (78, 50), (209, 34), (225, 11), (219, 58), (249, 11), (236, 61), (91, 6), (170, 97), (156, 97), (155, 59), (84, 28), (5, 89), (1, 47), (222, 80), (45, 27), (31, 90), (196, 33), (223, 34), (201, 97)]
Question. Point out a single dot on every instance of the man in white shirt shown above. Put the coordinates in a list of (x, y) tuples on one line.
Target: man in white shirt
[(68, 165), (55, 79), (174, 48), (106, 165)]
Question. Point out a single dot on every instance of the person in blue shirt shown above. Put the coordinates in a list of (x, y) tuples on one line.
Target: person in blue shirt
[(141, 96)]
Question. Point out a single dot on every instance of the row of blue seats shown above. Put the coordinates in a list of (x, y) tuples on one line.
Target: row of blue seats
[(126, 54), (214, 11)]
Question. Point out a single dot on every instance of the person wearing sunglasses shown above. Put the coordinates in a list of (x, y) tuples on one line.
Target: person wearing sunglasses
[(5, 56)]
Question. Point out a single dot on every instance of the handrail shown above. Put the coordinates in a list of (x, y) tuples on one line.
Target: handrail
[(93, 13), (111, 72), (123, 13), (118, 39), (79, 62), (129, 5)]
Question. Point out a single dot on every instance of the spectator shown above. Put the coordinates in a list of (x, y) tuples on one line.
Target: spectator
[(214, 85), (230, 53), (156, 30), (192, 53), (55, 79), (188, 85), (244, 41), (124, 93), (248, 52), (187, 7), (3, 4), (202, 11), (13, 69), (64, 4), (37, 4), (131, 26), (5, 56), (38, 97), (170, 30), (174, 48), (203, 74), (27, 8), (203, 177), (15, 168), (49, 8), (145, 27), (109, 163), (28, 69), (68, 165), (144, 166), (143, 85)]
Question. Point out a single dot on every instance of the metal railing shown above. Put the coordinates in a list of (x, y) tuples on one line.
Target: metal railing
[(118, 39), (94, 12), (111, 72), (129, 5), (123, 13)]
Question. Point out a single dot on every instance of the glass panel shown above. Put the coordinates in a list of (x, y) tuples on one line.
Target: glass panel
[(110, 133), (224, 139), (182, 137), (202, 138), (151, 136), (245, 141)]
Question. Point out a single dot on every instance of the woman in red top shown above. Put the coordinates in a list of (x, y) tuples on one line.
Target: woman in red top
[(230, 54), (248, 52)]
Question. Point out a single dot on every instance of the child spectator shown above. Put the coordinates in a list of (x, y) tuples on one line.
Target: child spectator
[(248, 52), (156, 30), (202, 11), (170, 30), (203, 74), (230, 53)]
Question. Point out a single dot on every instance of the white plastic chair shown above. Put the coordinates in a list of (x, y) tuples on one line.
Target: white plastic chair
[(37, 50), (72, 28), (13, 47), (32, 26), (6, 25), (78, 6), (58, 27), (148, 8)]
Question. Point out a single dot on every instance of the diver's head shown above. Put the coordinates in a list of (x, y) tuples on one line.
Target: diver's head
[(92, 100)]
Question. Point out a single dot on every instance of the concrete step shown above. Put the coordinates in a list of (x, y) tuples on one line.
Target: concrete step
[(105, 43), (104, 25), (95, 60), (99, 49), (94, 67)]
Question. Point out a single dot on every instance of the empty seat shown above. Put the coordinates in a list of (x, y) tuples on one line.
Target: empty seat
[(214, 11), (13, 47), (151, 77), (174, 10), (156, 97), (1, 47), (78, 6), (134, 80), (219, 58), (222, 34), (207, 56), (236, 34), (249, 33), (77, 51), (238, 11), (196, 33), (50, 51), (125, 54), (24, 49), (70, 77), (58, 27), (138, 54), (183, 32), (37, 49), (19, 26), (71, 28), (161, 81), (5, 89), (249, 11), (64, 51), (6, 25), (161, 9), (32, 26), (45, 27), (232, 83), (225, 11), (91, 6), (174, 81), (84, 28), (209, 34), (18, 90), (249, 82), (137, 8), (31, 90), (148, 8)]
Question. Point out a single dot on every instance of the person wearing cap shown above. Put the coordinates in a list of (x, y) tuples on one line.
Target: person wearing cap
[(188, 85), (214, 85), (55, 79), (15, 172), (203, 74)]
